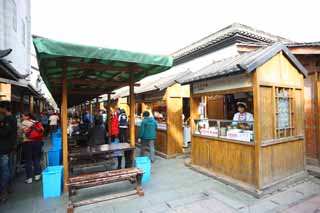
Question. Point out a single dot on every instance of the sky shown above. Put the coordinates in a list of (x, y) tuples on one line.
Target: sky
[(163, 27)]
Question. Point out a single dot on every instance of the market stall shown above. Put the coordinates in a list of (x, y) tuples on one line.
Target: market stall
[(247, 119), (76, 74), (168, 102)]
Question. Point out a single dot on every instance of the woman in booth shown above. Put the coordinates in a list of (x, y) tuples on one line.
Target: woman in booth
[(242, 115)]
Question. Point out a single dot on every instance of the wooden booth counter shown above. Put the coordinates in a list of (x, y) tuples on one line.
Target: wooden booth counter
[(167, 108), (259, 154), (169, 103), (162, 146)]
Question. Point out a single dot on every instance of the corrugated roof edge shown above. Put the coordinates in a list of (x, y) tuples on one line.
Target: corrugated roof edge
[(261, 58)]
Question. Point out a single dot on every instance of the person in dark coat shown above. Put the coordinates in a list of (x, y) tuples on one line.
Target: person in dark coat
[(98, 134), (8, 142)]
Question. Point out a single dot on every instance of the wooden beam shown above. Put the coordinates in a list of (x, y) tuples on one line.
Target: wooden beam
[(64, 121), (132, 110), (95, 82), (98, 66)]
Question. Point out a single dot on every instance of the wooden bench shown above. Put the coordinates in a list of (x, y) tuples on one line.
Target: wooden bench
[(134, 175)]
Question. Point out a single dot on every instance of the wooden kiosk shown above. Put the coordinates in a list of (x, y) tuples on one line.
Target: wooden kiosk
[(168, 103), (255, 156)]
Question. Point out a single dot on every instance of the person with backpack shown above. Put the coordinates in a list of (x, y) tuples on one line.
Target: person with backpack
[(147, 134), (123, 126), (32, 140)]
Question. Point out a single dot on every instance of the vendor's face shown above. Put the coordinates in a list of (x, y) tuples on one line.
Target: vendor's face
[(241, 109)]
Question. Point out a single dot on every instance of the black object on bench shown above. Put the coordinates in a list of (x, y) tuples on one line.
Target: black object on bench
[(102, 178)]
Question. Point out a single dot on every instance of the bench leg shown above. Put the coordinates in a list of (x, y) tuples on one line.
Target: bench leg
[(139, 189), (72, 191), (70, 207)]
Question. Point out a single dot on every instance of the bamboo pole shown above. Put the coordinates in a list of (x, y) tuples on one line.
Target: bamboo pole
[(132, 110), (64, 121)]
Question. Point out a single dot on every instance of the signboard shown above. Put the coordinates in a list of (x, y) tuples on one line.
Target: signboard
[(240, 136), (231, 82), (210, 132)]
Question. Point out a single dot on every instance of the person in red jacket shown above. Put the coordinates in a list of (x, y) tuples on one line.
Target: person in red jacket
[(114, 126)]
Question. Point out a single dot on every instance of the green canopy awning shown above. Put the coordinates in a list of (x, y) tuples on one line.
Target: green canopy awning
[(92, 71)]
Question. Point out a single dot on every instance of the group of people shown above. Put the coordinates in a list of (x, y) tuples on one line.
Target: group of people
[(118, 132), (24, 139)]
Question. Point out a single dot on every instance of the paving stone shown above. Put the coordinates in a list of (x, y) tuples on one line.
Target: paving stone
[(186, 200), (216, 206), (262, 206), (155, 209), (193, 208)]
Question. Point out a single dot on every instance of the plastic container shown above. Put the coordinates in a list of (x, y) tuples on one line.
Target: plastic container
[(57, 143), (56, 135), (52, 181), (144, 163), (55, 157)]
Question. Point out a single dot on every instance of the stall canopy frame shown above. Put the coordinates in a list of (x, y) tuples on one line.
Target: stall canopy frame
[(77, 73), (92, 71)]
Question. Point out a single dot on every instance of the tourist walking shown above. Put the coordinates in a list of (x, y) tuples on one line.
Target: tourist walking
[(147, 134), (123, 126), (32, 141), (53, 122), (114, 127), (8, 142)]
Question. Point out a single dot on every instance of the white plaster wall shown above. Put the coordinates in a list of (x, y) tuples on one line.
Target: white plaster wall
[(9, 38)]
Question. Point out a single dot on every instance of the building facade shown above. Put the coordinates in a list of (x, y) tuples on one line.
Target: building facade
[(15, 32)]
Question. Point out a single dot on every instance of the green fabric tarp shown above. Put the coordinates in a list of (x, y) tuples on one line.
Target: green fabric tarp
[(58, 59)]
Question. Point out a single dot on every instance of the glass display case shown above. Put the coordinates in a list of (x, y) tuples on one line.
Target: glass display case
[(227, 129)]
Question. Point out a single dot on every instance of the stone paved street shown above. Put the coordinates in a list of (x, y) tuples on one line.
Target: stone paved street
[(173, 188)]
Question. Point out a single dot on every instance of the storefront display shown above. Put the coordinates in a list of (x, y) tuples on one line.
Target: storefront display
[(247, 119)]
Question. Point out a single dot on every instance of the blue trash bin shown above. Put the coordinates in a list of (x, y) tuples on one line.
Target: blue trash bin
[(56, 142), (55, 156), (144, 163), (52, 181)]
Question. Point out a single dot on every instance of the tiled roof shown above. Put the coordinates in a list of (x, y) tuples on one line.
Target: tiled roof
[(304, 44), (246, 62), (228, 32), (152, 83), (5, 65)]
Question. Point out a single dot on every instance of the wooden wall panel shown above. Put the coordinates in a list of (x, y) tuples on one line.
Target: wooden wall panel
[(174, 125), (215, 108), (299, 112), (310, 116), (226, 158), (279, 71), (282, 160), (266, 113)]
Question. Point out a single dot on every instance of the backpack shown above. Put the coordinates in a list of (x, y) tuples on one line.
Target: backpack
[(123, 120), (35, 132)]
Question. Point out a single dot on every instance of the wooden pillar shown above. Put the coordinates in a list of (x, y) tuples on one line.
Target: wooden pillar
[(31, 102), (257, 129), (97, 105), (109, 116), (64, 121), (132, 110), (22, 102)]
